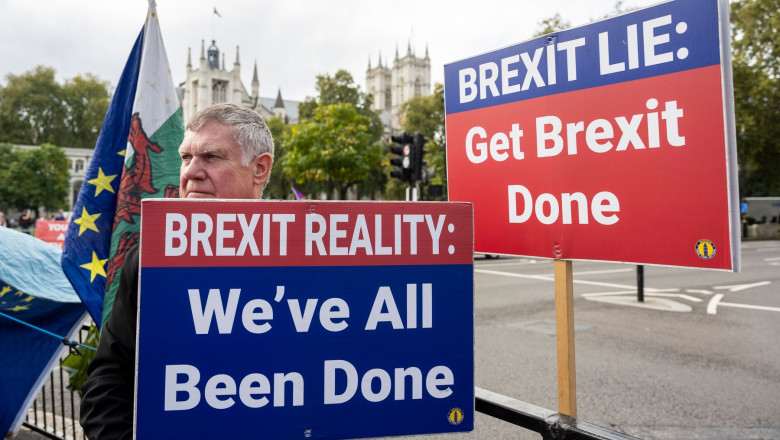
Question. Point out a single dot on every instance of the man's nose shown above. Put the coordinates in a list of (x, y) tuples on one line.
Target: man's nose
[(195, 169)]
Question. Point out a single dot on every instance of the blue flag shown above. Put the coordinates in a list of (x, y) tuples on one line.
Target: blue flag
[(88, 241), (33, 290), (136, 157)]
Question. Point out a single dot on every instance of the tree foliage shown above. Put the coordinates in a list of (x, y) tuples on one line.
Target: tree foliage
[(34, 178), (341, 89), (342, 114), (551, 24), (280, 185), (425, 115), (333, 146), (756, 68), (35, 109)]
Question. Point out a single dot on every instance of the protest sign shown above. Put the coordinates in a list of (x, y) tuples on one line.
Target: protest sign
[(613, 141), (304, 319)]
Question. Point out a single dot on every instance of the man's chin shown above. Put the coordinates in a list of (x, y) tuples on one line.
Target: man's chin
[(200, 195)]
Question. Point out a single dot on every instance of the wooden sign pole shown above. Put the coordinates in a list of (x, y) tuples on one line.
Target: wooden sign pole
[(564, 328)]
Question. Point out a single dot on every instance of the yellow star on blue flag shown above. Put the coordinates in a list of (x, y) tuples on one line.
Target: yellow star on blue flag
[(87, 221), (95, 267), (102, 182)]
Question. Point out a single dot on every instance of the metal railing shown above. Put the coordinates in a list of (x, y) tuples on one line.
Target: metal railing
[(549, 424), (55, 411)]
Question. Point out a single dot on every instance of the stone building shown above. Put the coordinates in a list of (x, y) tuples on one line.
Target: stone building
[(209, 82), (392, 85)]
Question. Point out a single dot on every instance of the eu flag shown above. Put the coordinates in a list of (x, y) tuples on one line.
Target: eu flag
[(33, 290), (136, 157)]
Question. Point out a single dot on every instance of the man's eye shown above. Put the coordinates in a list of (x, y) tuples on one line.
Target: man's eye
[(186, 157), (212, 156)]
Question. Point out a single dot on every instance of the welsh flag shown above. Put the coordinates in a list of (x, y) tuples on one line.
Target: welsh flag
[(136, 157)]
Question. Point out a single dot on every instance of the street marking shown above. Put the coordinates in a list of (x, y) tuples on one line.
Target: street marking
[(508, 263), (703, 292), (596, 272), (654, 294), (515, 275), (741, 287), (749, 306), (551, 278), (712, 307), (772, 259), (649, 303)]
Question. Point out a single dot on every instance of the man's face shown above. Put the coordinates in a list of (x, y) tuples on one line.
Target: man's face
[(211, 166)]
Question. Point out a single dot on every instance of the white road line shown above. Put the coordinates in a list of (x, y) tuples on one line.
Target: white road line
[(748, 306), (772, 259), (596, 272), (509, 263), (703, 292), (633, 292), (741, 287), (622, 292), (551, 278), (712, 306), (515, 275)]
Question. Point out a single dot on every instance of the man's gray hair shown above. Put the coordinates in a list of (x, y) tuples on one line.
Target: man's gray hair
[(250, 131)]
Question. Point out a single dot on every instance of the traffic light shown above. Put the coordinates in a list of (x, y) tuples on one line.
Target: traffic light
[(418, 152), (402, 148)]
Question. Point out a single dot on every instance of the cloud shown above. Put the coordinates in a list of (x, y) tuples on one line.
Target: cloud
[(292, 42)]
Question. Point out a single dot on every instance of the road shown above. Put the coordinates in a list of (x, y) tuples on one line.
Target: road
[(699, 360)]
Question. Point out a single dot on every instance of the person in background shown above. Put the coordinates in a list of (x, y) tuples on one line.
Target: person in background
[(3, 221), (26, 220)]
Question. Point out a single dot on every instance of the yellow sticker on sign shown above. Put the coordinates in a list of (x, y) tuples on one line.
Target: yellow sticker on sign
[(705, 249)]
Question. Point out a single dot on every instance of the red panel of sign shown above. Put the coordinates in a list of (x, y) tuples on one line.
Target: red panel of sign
[(628, 166), (52, 231)]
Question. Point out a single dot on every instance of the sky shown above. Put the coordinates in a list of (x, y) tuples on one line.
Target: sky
[(291, 41)]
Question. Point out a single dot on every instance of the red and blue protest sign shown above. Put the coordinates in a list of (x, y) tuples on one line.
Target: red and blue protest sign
[(304, 319), (613, 141)]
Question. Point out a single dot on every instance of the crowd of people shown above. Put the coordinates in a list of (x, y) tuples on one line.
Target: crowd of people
[(27, 219)]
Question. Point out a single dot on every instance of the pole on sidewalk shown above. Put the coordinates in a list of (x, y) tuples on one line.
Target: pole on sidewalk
[(640, 283)]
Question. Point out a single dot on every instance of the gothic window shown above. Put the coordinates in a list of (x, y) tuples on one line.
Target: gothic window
[(79, 165), (388, 99), (218, 91), (417, 87)]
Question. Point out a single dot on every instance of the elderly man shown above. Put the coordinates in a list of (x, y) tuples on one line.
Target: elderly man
[(227, 153)]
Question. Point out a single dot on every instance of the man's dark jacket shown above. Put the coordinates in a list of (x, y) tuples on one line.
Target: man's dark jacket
[(107, 394)]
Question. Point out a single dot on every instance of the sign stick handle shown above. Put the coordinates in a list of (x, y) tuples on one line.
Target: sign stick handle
[(564, 327)]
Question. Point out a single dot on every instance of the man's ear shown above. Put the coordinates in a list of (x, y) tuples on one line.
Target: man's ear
[(262, 168)]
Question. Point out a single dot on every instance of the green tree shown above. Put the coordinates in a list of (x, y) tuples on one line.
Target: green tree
[(280, 185), (35, 178), (425, 115), (337, 89), (8, 158), (551, 24), (756, 68), (35, 109), (31, 110), (341, 89), (333, 146), (86, 101)]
